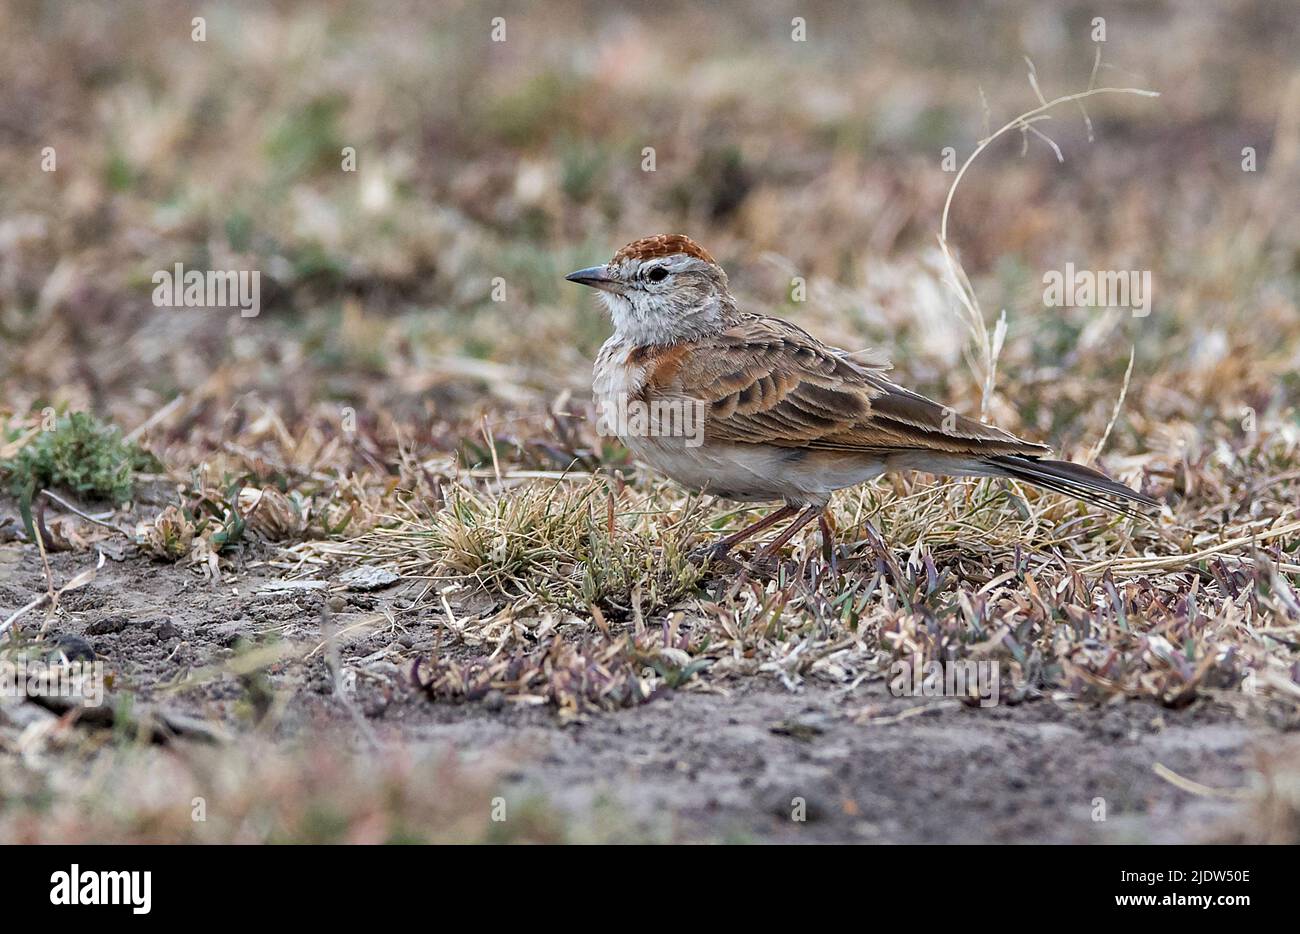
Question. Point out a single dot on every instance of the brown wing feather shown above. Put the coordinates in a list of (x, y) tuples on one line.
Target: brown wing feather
[(767, 381)]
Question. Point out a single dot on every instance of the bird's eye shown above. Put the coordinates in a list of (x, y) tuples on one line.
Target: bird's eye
[(658, 274)]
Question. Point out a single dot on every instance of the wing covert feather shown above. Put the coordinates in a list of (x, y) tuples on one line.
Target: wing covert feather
[(766, 381)]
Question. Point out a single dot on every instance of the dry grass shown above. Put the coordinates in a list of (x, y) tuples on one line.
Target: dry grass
[(1064, 597), (258, 792), (564, 544)]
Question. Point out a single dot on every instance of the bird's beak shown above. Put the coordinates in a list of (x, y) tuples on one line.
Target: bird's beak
[(597, 277)]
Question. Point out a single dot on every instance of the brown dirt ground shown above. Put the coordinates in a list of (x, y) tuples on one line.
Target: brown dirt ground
[(687, 766)]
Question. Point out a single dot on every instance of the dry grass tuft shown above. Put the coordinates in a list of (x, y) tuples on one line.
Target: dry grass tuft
[(570, 545), (318, 792)]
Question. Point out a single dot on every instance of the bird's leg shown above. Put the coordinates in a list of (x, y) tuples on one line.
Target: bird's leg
[(828, 541), (775, 545), (874, 539), (725, 545)]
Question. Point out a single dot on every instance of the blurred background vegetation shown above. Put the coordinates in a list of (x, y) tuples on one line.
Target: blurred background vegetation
[(523, 159)]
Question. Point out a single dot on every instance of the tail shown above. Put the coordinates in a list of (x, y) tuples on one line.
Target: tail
[(1074, 480)]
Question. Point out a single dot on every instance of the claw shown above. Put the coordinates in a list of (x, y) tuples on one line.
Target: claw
[(828, 544)]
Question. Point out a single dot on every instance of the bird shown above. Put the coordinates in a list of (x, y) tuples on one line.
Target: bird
[(753, 408)]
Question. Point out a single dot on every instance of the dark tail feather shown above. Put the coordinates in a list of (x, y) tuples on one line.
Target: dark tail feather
[(1075, 480)]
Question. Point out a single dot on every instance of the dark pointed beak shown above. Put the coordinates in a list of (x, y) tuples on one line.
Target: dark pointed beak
[(597, 277)]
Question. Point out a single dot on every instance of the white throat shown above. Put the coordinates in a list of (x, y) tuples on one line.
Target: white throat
[(629, 326), (636, 327)]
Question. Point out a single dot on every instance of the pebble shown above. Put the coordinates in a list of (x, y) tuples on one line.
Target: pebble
[(369, 577)]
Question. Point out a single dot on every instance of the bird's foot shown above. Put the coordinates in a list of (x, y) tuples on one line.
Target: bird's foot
[(764, 565), (717, 553)]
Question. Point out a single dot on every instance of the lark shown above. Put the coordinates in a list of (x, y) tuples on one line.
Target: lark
[(786, 418)]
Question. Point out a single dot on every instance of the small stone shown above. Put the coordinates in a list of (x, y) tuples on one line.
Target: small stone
[(369, 577), (166, 629), (494, 700), (75, 648), (108, 625)]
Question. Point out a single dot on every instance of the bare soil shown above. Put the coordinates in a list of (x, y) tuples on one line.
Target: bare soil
[(687, 766)]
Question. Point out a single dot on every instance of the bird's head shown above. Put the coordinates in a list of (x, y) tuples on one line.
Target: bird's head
[(662, 290)]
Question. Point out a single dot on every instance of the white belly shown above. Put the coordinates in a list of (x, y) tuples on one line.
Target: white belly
[(746, 472), (752, 472)]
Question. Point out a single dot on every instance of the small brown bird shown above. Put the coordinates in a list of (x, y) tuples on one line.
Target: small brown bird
[(753, 408)]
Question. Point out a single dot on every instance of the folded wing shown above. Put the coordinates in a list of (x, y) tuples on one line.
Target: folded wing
[(767, 381)]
